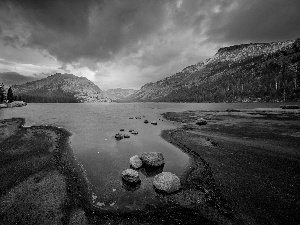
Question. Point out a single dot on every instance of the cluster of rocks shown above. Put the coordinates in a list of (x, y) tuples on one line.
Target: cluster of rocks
[(153, 122), (145, 121), (120, 136), (164, 182)]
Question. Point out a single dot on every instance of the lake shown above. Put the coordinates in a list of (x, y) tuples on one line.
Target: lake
[(103, 158)]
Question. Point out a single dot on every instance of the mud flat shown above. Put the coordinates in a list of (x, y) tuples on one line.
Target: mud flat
[(253, 156)]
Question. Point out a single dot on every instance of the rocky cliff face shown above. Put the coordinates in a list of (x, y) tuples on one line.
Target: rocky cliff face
[(59, 88), (248, 72)]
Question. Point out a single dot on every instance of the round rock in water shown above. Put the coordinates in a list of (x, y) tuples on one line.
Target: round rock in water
[(131, 176), (135, 162), (167, 182), (152, 159)]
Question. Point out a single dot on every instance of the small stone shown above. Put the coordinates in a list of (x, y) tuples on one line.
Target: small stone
[(136, 162), (131, 176), (201, 122), (119, 136), (152, 159), (214, 143), (167, 182)]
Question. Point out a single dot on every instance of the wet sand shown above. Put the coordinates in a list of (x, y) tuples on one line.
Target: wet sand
[(254, 157)]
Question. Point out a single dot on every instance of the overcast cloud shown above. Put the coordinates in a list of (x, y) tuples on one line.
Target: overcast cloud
[(127, 43)]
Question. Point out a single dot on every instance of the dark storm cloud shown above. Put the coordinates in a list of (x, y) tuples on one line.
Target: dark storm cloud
[(10, 78), (157, 31), (71, 30), (257, 21)]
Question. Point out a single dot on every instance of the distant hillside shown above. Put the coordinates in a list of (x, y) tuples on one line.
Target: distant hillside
[(241, 73), (59, 88), (118, 93), (11, 78)]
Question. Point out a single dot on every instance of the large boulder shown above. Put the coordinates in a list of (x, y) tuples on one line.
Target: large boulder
[(136, 162), (152, 159), (131, 176), (166, 182)]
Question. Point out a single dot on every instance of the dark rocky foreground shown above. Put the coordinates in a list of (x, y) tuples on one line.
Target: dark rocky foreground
[(39, 180), (41, 183), (253, 155)]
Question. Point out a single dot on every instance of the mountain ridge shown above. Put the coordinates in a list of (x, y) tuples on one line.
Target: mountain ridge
[(59, 88), (247, 72)]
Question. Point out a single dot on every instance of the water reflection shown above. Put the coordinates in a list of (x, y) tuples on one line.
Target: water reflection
[(130, 186), (151, 171)]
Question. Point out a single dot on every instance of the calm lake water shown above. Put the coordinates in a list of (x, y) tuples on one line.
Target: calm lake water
[(94, 125)]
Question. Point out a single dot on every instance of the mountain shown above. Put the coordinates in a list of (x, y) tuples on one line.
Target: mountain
[(118, 93), (59, 88), (240, 73)]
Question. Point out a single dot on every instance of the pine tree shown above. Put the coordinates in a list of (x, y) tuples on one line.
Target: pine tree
[(2, 95), (10, 95)]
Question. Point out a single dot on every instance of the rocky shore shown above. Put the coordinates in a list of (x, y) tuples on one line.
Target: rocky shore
[(252, 157), (13, 104), (41, 183), (244, 169)]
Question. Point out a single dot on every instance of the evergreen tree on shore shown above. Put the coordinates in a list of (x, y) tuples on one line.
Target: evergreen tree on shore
[(2, 94), (10, 95)]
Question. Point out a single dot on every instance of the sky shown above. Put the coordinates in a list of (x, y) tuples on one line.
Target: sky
[(128, 43)]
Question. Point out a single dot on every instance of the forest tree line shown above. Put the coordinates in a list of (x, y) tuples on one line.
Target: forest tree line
[(265, 80), (38, 96), (6, 97)]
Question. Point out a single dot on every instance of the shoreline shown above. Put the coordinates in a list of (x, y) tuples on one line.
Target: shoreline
[(253, 155), (38, 166), (216, 188), (41, 182)]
